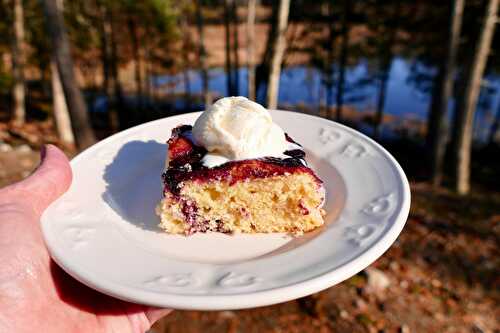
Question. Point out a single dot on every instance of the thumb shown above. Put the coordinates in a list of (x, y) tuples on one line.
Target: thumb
[(155, 314), (49, 181)]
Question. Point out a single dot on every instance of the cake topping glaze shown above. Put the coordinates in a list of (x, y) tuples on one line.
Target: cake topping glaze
[(235, 128), (185, 163)]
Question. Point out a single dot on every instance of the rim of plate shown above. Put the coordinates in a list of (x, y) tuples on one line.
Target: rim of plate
[(250, 299)]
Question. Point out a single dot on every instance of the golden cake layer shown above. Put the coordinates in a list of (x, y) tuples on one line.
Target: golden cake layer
[(289, 203)]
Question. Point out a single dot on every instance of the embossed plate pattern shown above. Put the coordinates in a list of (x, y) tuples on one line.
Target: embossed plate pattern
[(103, 231)]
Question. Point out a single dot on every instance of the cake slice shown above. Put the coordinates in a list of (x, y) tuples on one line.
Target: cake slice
[(249, 195), (258, 195)]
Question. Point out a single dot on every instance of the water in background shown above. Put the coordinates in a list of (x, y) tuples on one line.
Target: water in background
[(302, 85), (408, 91)]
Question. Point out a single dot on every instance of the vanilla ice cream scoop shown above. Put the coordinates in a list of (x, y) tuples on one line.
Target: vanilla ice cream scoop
[(235, 128)]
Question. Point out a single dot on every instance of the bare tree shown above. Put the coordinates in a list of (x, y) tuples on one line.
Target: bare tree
[(382, 92), (148, 70), (494, 127), (227, 27), (279, 50), (437, 133), (185, 56), (60, 108), (332, 34), (262, 68), (466, 106), (119, 117), (61, 115), (18, 63), (343, 58), (388, 40), (105, 46), (236, 24), (252, 4), (136, 51), (82, 129), (202, 54)]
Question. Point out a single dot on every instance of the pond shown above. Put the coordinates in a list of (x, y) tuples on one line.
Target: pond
[(408, 96), (302, 85)]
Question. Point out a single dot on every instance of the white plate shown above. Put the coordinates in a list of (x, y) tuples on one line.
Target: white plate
[(104, 233)]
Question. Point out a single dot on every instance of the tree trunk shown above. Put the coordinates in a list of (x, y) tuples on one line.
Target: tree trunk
[(150, 91), (45, 84), (185, 56), (468, 100), (329, 70), (262, 69), (202, 54), (104, 44), (321, 110), (109, 84), (236, 69), (117, 110), (386, 60), (82, 129), (148, 75), (279, 50), (60, 108), (433, 112), (136, 50), (187, 88), (61, 115), (343, 59), (18, 63), (227, 21), (250, 48), (494, 127), (384, 78), (437, 135)]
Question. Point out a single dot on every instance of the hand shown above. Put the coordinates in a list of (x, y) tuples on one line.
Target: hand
[(35, 294)]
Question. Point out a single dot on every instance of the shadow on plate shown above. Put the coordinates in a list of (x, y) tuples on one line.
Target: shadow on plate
[(133, 182)]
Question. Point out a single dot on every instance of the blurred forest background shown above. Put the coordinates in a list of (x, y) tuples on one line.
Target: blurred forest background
[(421, 77)]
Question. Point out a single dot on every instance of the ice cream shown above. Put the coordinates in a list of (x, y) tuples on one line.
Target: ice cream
[(235, 128)]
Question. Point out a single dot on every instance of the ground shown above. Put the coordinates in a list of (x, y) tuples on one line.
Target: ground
[(441, 275)]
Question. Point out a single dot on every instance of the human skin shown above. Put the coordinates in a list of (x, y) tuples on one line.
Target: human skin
[(37, 295)]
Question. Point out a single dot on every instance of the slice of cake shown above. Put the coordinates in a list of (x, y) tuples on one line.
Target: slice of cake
[(237, 171)]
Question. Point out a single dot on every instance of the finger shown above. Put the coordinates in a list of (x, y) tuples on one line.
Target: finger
[(154, 314), (49, 181)]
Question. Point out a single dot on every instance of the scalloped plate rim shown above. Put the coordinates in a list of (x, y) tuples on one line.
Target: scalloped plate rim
[(243, 299)]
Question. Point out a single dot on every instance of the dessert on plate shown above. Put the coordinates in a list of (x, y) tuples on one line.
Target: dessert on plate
[(237, 171)]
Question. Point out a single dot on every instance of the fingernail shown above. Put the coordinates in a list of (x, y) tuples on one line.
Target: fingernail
[(43, 151)]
